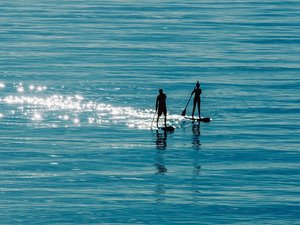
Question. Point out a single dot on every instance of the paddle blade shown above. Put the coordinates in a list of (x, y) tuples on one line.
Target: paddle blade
[(183, 112)]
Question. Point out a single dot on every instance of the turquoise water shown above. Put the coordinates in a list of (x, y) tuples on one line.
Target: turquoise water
[(78, 83)]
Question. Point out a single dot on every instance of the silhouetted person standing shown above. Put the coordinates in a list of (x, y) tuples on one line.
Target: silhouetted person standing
[(197, 100), (161, 106)]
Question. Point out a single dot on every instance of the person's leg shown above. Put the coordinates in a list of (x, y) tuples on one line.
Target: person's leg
[(159, 113), (164, 112), (194, 106), (199, 108)]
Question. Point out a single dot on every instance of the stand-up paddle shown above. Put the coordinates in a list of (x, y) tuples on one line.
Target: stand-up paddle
[(184, 111), (153, 118)]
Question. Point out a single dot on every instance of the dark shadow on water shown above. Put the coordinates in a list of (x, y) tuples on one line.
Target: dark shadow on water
[(197, 168), (196, 143), (161, 145), (161, 170), (196, 136), (160, 167), (161, 140)]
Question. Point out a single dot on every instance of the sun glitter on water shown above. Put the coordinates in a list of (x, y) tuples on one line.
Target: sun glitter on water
[(60, 110)]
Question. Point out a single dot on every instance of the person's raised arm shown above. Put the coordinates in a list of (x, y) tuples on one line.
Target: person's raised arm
[(193, 92)]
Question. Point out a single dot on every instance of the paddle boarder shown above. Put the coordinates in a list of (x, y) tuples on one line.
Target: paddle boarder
[(161, 106), (197, 100)]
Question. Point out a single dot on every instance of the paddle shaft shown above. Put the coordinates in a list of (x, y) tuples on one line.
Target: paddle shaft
[(184, 111), (153, 118)]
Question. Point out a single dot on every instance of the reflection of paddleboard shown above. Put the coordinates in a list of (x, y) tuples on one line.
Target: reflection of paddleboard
[(170, 128), (202, 119)]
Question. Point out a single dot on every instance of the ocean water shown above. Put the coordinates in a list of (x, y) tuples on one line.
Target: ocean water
[(78, 83)]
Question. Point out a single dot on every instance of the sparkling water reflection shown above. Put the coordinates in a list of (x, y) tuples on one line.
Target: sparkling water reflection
[(60, 110)]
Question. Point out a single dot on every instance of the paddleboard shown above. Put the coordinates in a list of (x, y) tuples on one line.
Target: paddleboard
[(170, 128), (202, 119)]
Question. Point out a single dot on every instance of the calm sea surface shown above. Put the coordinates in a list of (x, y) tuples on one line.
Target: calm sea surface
[(78, 83)]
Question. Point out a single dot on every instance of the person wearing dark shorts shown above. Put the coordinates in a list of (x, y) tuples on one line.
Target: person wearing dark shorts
[(161, 106)]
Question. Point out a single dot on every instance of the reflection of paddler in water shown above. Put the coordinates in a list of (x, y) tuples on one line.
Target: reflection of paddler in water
[(196, 146), (197, 100), (160, 168), (196, 136), (161, 140), (161, 144), (161, 106)]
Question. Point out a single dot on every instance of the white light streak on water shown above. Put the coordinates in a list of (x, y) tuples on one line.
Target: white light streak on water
[(20, 88), (37, 116), (80, 112)]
